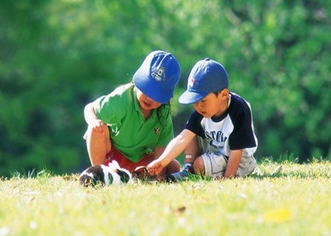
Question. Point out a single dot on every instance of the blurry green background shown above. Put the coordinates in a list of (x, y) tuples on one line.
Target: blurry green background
[(56, 56)]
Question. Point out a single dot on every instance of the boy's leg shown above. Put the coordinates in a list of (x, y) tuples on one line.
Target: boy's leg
[(172, 167), (190, 154), (98, 145), (246, 166), (199, 166), (214, 165), (192, 151)]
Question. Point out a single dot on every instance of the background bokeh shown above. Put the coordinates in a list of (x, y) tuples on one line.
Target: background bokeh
[(56, 56)]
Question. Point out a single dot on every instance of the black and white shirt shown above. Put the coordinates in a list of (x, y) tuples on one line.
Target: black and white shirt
[(233, 130)]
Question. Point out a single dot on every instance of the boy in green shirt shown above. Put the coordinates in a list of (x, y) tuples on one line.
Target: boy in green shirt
[(132, 124)]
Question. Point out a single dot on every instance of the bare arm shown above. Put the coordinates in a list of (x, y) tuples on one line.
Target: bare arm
[(158, 152), (175, 147), (234, 160)]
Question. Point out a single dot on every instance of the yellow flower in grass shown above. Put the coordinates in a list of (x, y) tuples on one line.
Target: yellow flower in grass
[(278, 215)]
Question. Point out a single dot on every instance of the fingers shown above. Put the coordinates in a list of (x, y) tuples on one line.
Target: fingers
[(154, 168), (151, 170), (97, 126)]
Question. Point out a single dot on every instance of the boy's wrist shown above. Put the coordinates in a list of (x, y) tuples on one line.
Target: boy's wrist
[(163, 163)]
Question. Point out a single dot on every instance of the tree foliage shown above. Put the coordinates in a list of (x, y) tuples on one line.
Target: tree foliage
[(56, 56)]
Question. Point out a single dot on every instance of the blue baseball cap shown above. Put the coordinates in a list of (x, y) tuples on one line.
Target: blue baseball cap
[(205, 77), (157, 76)]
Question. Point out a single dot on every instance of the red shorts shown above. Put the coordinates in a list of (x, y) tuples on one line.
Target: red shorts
[(124, 162)]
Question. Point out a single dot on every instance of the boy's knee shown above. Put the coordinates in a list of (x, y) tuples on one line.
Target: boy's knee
[(173, 167), (198, 165)]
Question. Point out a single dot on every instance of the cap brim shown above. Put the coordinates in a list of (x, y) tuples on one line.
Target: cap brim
[(189, 97), (152, 89)]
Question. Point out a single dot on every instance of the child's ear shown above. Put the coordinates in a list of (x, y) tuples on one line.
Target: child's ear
[(224, 93)]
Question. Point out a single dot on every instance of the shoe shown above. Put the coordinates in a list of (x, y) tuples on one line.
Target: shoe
[(181, 175)]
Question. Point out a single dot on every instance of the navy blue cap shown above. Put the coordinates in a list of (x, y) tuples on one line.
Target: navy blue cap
[(205, 77), (157, 76)]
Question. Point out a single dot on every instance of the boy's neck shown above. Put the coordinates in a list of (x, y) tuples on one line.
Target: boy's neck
[(223, 108), (146, 113)]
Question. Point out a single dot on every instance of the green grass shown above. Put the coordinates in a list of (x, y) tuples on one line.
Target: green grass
[(293, 200)]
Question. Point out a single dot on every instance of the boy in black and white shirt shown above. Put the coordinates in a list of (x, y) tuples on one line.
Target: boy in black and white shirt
[(223, 122)]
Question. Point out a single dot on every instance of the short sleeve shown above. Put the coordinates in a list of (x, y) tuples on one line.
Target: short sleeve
[(194, 124), (109, 109), (243, 134)]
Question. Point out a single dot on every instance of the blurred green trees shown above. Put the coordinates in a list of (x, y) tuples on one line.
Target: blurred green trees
[(56, 56)]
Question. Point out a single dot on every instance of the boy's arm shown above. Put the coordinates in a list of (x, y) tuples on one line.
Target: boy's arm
[(92, 119), (157, 153), (89, 113), (175, 147), (233, 163)]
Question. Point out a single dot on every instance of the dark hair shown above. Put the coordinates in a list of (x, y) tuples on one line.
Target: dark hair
[(216, 93)]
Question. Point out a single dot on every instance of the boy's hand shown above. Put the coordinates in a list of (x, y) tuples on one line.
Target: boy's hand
[(97, 125), (155, 167)]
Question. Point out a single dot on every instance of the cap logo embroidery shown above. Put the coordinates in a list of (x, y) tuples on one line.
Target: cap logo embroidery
[(158, 74), (191, 83)]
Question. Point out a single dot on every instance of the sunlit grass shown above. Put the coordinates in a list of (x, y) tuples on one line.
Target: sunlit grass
[(289, 200)]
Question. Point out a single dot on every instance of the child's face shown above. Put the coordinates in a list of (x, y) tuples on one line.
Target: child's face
[(212, 104), (145, 102)]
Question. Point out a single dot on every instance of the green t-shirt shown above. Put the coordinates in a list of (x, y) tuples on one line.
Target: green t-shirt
[(130, 133)]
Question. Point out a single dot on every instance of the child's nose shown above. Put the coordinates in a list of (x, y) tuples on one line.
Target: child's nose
[(149, 100)]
